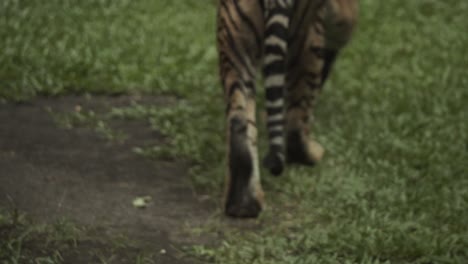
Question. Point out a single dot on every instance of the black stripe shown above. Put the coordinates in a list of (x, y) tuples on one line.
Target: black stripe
[(262, 5), (274, 49), (228, 61), (330, 56), (234, 48), (276, 67), (276, 147), (275, 123), (294, 60), (319, 29), (246, 19), (227, 58), (311, 75), (229, 15), (313, 84), (275, 133), (296, 104), (235, 86), (250, 86), (299, 26), (317, 51), (274, 93), (278, 30), (274, 110), (278, 10)]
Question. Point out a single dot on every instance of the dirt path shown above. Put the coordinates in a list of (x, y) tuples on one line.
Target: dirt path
[(51, 173)]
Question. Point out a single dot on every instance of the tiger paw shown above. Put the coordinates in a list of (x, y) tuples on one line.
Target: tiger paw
[(302, 150), (247, 209), (244, 204), (274, 162)]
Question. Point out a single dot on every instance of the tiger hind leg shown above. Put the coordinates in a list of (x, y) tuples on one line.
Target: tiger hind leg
[(302, 148), (239, 54), (313, 51), (306, 66), (244, 195)]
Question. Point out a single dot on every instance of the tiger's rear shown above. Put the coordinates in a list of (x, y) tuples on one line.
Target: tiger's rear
[(296, 42)]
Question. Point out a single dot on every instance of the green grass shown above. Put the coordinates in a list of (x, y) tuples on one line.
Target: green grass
[(24, 241), (105, 46), (393, 187)]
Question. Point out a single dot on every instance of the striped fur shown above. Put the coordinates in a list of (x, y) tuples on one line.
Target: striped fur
[(296, 42), (277, 18)]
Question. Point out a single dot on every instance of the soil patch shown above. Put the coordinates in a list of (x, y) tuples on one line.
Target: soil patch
[(51, 173)]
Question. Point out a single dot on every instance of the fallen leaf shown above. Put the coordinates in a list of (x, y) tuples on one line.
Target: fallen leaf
[(141, 202)]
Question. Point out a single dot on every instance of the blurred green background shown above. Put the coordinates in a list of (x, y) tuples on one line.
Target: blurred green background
[(393, 187)]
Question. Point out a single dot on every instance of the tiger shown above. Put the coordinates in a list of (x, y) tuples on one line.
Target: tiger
[(295, 44)]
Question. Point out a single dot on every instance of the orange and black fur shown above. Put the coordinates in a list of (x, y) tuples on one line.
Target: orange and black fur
[(296, 43)]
